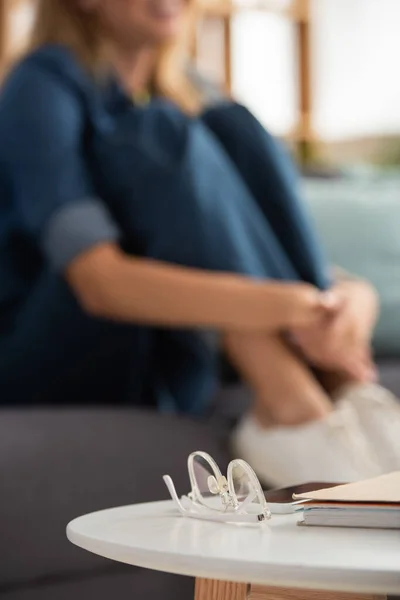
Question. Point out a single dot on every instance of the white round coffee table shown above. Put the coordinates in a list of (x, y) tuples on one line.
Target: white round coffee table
[(278, 561)]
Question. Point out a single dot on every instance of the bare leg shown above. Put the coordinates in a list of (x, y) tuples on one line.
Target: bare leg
[(334, 382), (286, 391), (293, 433)]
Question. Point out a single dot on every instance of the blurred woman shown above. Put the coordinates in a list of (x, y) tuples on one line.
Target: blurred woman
[(136, 220)]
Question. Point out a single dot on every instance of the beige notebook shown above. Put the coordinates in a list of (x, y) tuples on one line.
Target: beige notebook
[(383, 489)]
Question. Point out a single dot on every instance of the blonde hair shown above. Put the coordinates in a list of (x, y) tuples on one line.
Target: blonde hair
[(63, 22)]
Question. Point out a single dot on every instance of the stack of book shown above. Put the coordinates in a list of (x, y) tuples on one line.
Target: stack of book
[(374, 503)]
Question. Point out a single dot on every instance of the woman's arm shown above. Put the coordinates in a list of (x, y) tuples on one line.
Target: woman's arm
[(113, 285), (60, 212)]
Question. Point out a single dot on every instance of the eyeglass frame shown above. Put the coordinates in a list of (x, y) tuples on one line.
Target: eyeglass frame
[(232, 509)]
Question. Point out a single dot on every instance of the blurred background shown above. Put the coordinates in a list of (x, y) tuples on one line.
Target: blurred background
[(323, 76), (320, 73)]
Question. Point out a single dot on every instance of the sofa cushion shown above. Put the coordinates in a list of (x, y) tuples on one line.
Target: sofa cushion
[(359, 223), (118, 581), (58, 464)]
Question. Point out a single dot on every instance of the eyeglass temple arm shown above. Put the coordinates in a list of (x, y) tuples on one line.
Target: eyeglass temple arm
[(249, 500), (246, 502), (187, 513), (171, 488)]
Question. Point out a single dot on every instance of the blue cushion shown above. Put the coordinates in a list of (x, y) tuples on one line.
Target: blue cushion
[(359, 223)]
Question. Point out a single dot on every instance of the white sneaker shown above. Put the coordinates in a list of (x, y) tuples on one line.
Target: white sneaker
[(332, 450), (379, 414)]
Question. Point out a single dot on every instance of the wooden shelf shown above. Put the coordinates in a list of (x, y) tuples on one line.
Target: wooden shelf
[(3, 30), (298, 11), (223, 11), (9, 48), (295, 10)]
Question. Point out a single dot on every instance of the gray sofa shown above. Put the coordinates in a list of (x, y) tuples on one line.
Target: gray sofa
[(56, 464)]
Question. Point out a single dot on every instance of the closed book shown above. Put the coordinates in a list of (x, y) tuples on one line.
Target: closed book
[(373, 503)]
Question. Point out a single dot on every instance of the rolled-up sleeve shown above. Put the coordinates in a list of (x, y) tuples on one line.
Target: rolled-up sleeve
[(55, 202)]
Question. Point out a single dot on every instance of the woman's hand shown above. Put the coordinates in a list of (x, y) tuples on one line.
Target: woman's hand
[(112, 285), (301, 306), (343, 342)]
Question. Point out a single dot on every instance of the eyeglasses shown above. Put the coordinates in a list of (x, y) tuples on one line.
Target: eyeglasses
[(236, 498)]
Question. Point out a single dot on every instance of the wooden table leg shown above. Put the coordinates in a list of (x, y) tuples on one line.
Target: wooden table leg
[(208, 589)]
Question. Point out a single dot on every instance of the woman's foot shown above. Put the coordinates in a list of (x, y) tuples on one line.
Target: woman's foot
[(379, 414), (332, 449)]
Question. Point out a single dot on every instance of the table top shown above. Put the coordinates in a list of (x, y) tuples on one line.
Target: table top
[(278, 554)]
